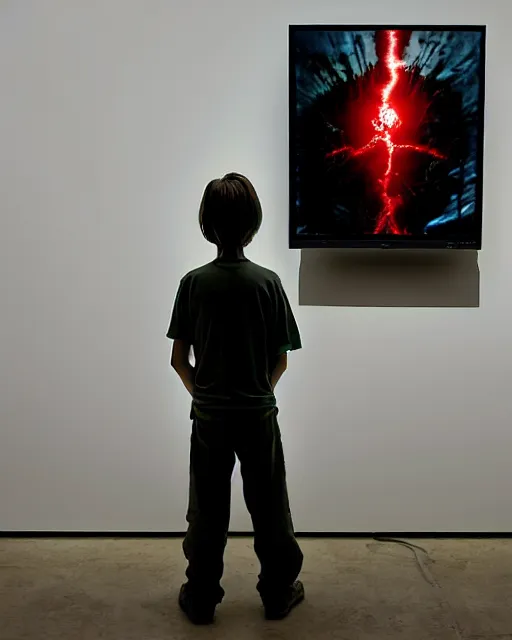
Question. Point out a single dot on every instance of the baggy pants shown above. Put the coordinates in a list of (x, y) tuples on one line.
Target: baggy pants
[(256, 441)]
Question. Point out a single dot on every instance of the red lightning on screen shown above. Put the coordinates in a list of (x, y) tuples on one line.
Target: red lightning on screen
[(387, 122)]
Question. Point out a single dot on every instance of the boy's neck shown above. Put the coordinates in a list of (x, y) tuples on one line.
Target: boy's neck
[(230, 254)]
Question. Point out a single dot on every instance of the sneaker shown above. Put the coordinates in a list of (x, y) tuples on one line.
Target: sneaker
[(279, 609), (197, 612)]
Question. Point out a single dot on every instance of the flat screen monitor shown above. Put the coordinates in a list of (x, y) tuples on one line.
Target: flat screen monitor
[(386, 136)]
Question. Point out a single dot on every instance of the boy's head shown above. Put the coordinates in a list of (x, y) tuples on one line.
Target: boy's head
[(230, 213)]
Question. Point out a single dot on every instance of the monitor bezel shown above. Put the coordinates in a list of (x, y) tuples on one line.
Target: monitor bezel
[(384, 241)]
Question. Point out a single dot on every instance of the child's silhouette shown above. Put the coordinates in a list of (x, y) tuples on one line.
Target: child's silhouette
[(237, 319)]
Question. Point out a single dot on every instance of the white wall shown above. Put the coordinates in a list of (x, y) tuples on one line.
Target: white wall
[(113, 116)]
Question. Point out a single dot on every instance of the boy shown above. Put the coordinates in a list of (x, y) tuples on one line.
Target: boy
[(237, 319)]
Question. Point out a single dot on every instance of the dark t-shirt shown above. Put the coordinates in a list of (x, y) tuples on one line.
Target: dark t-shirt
[(238, 320)]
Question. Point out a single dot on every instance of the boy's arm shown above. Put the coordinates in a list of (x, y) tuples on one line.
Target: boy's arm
[(180, 362), (286, 336), (279, 368), (181, 331)]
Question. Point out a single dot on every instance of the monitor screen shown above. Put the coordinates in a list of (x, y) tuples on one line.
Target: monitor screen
[(386, 136)]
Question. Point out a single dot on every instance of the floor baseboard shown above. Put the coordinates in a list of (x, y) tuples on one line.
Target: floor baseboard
[(248, 534)]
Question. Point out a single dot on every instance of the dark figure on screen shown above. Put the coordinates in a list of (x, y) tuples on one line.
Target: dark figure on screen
[(236, 318)]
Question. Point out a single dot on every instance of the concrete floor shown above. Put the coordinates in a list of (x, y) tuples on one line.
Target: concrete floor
[(355, 589)]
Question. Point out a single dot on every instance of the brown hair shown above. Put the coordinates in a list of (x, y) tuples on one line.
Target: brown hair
[(230, 214)]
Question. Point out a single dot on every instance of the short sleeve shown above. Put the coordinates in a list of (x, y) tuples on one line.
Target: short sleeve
[(180, 326), (287, 336)]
